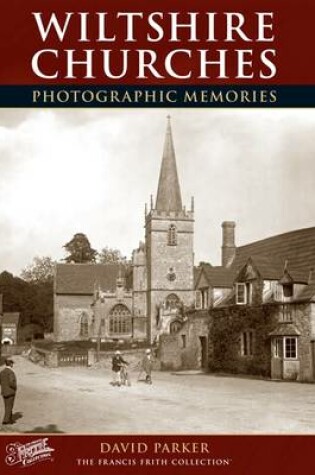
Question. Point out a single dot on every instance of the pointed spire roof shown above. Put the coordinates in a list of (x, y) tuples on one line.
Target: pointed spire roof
[(168, 194)]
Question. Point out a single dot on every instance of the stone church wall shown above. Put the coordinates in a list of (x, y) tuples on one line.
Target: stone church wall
[(183, 350), (68, 312)]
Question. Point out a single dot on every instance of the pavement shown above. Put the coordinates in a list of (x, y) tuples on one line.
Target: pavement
[(81, 400)]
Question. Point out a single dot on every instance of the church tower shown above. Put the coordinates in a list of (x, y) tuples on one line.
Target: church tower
[(169, 249)]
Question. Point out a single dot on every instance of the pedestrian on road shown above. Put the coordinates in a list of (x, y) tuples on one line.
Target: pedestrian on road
[(124, 375), (8, 390), (117, 363), (147, 366)]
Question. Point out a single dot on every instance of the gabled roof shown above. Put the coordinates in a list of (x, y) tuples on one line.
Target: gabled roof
[(268, 268), (83, 279), (197, 272), (219, 277)]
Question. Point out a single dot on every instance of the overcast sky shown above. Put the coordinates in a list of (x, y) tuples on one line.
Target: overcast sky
[(91, 171)]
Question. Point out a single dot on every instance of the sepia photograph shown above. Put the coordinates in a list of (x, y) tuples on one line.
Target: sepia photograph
[(157, 271)]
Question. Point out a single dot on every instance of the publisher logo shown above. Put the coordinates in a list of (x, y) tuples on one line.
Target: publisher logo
[(28, 454)]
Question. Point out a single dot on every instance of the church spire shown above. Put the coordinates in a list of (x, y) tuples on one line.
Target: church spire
[(168, 194)]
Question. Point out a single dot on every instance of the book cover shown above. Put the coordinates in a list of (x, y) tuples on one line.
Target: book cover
[(157, 237)]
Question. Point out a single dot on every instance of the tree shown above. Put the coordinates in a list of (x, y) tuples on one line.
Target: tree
[(80, 250), (39, 275), (110, 255), (41, 270), (34, 300)]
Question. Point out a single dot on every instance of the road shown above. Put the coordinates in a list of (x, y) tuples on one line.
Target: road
[(82, 400)]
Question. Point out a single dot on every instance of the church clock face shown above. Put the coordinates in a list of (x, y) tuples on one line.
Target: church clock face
[(171, 275)]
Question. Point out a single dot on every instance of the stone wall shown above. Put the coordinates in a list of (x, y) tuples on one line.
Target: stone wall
[(302, 317), (183, 349), (133, 358), (68, 311)]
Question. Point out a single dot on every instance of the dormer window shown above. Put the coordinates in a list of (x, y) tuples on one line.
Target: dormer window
[(286, 287), (287, 290), (172, 235), (198, 300), (202, 299), (243, 293)]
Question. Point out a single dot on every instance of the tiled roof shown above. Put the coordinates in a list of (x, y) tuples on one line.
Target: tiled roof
[(218, 276), (295, 250), (84, 278), (197, 272), (273, 268), (269, 268), (295, 247), (10, 317), (308, 293), (285, 329)]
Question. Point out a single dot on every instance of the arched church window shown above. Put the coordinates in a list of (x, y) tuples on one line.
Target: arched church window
[(84, 325), (172, 302), (172, 235), (120, 320)]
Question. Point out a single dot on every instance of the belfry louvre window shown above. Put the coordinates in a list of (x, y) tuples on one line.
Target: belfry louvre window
[(172, 235), (120, 320)]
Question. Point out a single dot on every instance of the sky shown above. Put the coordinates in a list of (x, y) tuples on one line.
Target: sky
[(92, 171)]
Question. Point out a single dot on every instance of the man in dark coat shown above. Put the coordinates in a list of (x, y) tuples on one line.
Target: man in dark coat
[(8, 390), (117, 363)]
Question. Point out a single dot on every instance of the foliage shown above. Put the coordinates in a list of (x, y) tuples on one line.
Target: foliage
[(41, 270), (227, 324), (33, 300), (80, 250), (110, 255)]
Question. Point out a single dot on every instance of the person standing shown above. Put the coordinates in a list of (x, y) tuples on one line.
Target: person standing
[(147, 366), (8, 390), (117, 363)]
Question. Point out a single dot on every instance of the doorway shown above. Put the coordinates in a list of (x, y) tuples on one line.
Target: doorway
[(204, 352), (277, 358)]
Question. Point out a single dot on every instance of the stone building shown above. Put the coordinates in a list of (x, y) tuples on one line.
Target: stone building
[(9, 328), (146, 298), (260, 305)]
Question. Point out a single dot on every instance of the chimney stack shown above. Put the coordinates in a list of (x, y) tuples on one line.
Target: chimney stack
[(228, 243)]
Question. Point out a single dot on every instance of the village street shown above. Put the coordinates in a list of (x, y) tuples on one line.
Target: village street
[(82, 400)]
